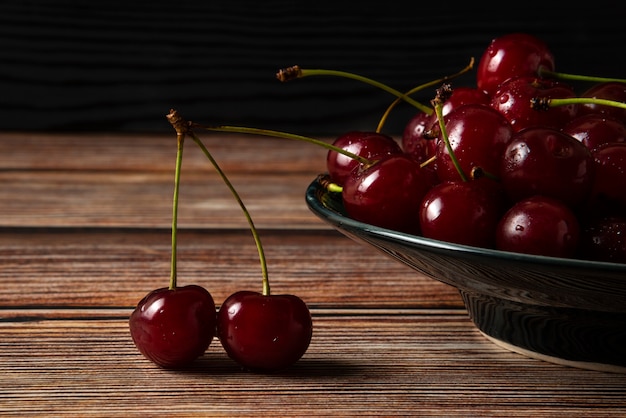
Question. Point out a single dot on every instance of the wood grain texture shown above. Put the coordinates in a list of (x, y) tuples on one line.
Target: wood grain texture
[(117, 267), (415, 364), (114, 65), (85, 233)]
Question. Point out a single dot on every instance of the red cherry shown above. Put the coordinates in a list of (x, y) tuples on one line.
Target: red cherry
[(595, 129), (513, 98), (415, 142), (548, 162), (173, 327), (509, 56), (539, 225), (264, 333), (369, 145), (461, 212), (478, 136), (387, 194)]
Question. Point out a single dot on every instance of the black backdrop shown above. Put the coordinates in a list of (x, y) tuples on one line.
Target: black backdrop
[(121, 65)]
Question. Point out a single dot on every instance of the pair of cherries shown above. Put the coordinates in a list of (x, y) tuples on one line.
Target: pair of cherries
[(173, 326)]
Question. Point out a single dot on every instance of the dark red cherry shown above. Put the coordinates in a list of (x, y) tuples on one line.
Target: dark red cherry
[(415, 142), (264, 333), (609, 185), (369, 145), (478, 136), (539, 225), (513, 98), (595, 129), (610, 91), (548, 162), (461, 212), (174, 327), (604, 239), (510, 56), (387, 194)]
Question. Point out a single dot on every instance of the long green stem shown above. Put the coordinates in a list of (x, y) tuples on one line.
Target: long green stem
[(255, 234), (180, 139), (278, 134), (414, 90), (437, 105), (544, 103), (297, 72), (565, 76)]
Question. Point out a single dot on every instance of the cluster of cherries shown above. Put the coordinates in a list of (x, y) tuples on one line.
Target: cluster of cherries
[(519, 162), (173, 326)]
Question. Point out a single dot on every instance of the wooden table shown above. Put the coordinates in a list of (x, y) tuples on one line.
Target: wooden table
[(85, 233)]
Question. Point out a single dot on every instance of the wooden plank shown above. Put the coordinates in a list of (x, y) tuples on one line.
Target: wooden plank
[(109, 152), (372, 365), (144, 199), (117, 267)]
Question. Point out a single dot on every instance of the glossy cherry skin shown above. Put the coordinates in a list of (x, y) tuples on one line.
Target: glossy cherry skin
[(509, 56), (172, 328), (387, 194), (513, 98), (548, 162), (595, 129), (478, 136), (462, 212), (264, 333), (369, 145), (539, 225), (415, 141)]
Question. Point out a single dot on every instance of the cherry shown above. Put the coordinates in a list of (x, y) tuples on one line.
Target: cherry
[(512, 55), (173, 326), (369, 145), (604, 239), (539, 225), (478, 136), (595, 129), (387, 194), (418, 134), (464, 212), (548, 162), (610, 90), (513, 98), (260, 331), (263, 332), (415, 141)]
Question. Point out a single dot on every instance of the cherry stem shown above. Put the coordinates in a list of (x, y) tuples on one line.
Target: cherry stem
[(293, 72), (255, 234), (414, 90), (437, 103), (545, 73), (285, 135), (180, 139), (543, 103)]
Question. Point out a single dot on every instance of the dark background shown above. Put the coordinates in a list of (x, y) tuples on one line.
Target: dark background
[(121, 65)]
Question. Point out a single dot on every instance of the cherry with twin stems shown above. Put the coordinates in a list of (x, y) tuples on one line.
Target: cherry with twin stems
[(261, 331)]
